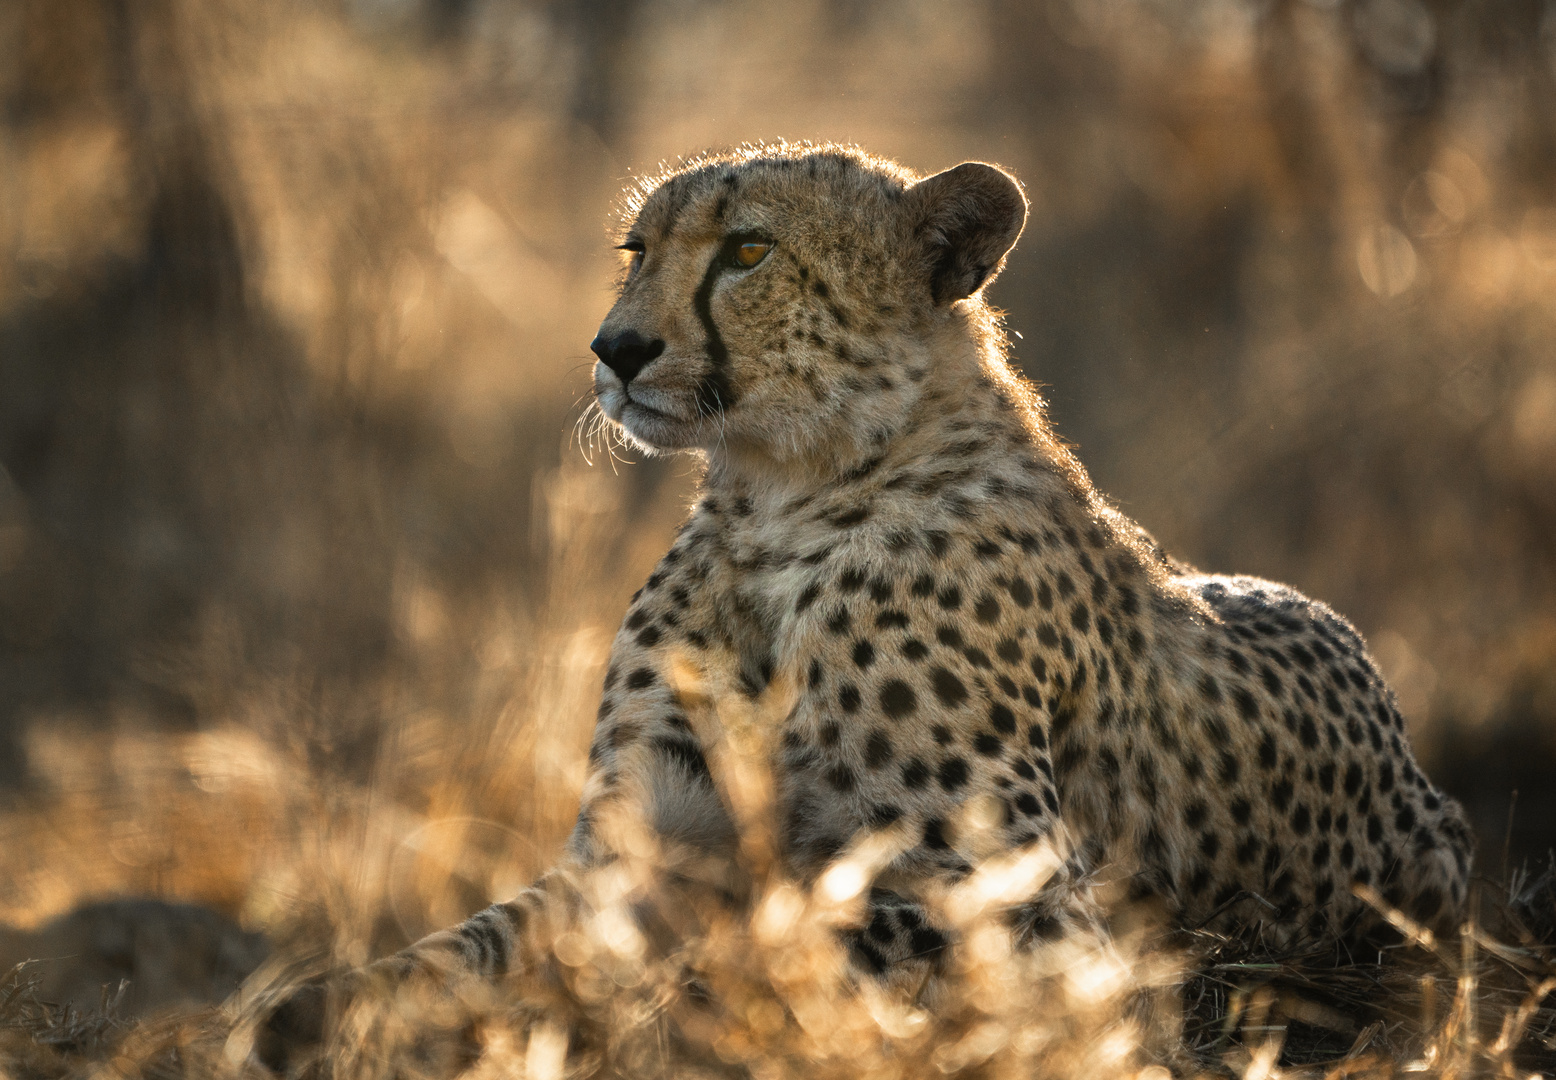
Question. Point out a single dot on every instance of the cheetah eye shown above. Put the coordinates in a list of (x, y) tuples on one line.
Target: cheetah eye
[(744, 250), (751, 252), (635, 247)]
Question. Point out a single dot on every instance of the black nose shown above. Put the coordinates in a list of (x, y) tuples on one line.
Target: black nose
[(628, 353)]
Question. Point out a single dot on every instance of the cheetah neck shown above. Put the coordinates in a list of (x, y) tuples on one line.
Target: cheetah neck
[(970, 395)]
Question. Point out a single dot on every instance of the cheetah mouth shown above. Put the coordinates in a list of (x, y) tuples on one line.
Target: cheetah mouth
[(647, 411), (648, 418)]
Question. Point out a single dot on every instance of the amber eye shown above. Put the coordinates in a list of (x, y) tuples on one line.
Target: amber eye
[(752, 252)]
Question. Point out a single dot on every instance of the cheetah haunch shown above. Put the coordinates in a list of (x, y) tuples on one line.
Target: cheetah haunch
[(888, 522)]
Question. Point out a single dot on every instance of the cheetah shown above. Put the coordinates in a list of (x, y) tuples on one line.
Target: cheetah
[(887, 520)]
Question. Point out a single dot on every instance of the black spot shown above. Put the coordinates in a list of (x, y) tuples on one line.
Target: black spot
[(869, 956), (1027, 803), (1405, 820), (1374, 828), (829, 734), (1267, 756), (1385, 777), (641, 678), (898, 699), (1230, 768), (1246, 704), (926, 940), (1020, 592), (840, 622), (1209, 687), (883, 814), (848, 698), (948, 688), (1200, 881), (1326, 777), (988, 744), (1080, 617), (841, 778), (814, 675), (1271, 680), (685, 751), (1194, 814), (1108, 761), (953, 773), (923, 585), (1039, 668), (1045, 596), (1209, 845), (915, 773), (1003, 719), (949, 636), (1300, 819), (934, 835), (1353, 778), (1241, 811), (1280, 795), (891, 619), (1062, 720), (864, 654), (987, 610), (914, 649), (1308, 733), (949, 598), (877, 750)]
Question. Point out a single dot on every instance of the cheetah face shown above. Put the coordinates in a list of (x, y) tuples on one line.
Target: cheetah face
[(783, 302)]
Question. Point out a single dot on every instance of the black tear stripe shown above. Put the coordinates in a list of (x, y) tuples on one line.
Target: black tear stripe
[(714, 393)]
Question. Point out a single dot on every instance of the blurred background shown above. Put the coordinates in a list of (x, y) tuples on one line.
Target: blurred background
[(307, 577)]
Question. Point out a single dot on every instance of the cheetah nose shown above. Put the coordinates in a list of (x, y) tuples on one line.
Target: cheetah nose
[(628, 353)]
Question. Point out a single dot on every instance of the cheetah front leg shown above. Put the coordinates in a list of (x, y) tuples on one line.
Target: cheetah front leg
[(647, 766)]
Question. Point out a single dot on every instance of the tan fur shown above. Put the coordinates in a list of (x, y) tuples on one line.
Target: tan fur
[(888, 520)]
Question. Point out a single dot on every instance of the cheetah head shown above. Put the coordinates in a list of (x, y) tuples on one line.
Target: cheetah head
[(783, 301)]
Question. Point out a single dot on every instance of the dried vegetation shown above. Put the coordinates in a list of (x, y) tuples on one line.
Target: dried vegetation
[(305, 595)]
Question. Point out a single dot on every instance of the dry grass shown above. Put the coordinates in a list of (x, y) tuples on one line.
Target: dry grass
[(301, 620), (668, 963)]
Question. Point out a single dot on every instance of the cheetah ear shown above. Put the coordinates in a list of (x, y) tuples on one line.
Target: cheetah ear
[(966, 219)]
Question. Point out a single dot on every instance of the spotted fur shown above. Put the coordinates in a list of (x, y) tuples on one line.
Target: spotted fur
[(888, 521)]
